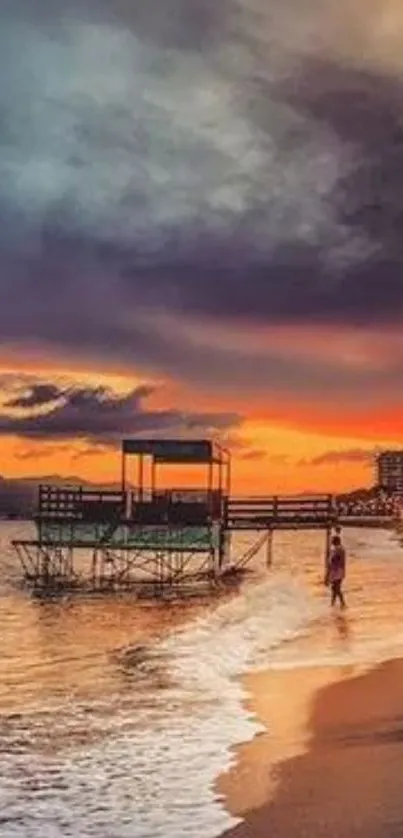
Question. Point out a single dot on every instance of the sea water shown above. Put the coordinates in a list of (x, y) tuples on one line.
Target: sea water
[(116, 718)]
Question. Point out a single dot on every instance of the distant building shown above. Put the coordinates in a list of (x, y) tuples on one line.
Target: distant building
[(389, 466)]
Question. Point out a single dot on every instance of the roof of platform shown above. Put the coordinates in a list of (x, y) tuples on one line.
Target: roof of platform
[(176, 450)]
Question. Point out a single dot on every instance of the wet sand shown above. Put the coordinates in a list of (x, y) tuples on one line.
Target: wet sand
[(331, 761)]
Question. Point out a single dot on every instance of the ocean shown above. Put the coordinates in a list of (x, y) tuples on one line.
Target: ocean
[(116, 717)]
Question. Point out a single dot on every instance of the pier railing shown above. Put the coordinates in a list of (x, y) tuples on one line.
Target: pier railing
[(187, 508), (280, 511), (76, 504), (162, 508)]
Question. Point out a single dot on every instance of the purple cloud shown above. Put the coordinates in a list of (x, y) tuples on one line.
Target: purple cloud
[(204, 160), (100, 416)]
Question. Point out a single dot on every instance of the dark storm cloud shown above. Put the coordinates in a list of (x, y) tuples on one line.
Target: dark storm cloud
[(356, 278), (101, 416), (37, 395), (203, 158)]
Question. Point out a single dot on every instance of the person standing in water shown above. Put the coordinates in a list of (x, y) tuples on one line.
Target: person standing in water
[(336, 570)]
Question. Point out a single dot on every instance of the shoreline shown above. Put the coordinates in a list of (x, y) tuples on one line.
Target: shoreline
[(329, 761)]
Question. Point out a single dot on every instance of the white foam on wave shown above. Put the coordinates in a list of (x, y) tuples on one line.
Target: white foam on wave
[(241, 634), (153, 775), (154, 782)]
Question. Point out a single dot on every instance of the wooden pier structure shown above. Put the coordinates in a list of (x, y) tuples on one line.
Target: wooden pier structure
[(153, 540)]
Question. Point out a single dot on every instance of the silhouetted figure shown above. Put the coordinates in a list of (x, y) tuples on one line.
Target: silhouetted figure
[(336, 570)]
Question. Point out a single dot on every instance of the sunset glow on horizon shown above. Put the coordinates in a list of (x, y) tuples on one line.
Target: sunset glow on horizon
[(201, 235), (291, 449)]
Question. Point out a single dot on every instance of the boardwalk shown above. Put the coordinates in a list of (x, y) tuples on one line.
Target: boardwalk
[(283, 512)]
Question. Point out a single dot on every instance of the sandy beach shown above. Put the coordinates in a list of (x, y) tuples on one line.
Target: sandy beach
[(330, 762)]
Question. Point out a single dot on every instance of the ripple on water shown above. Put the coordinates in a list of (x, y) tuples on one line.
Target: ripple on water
[(137, 751)]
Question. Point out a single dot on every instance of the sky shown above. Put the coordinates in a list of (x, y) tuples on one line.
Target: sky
[(201, 234)]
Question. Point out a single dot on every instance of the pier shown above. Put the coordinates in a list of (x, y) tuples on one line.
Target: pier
[(155, 540)]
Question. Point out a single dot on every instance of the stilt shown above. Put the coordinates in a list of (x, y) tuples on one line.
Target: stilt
[(94, 564), (269, 548), (327, 547)]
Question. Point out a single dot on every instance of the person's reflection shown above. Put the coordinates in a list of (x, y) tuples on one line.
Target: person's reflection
[(342, 627)]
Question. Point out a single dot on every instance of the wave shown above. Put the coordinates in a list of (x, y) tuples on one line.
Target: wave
[(144, 763), (241, 633)]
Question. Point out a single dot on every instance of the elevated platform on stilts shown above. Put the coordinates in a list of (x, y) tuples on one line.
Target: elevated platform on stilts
[(148, 539), (155, 539)]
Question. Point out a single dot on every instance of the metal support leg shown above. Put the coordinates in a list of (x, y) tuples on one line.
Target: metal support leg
[(213, 565), (94, 568), (327, 547), (45, 574), (269, 548)]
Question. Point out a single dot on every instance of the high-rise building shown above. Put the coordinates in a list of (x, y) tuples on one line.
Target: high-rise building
[(389, 465)]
